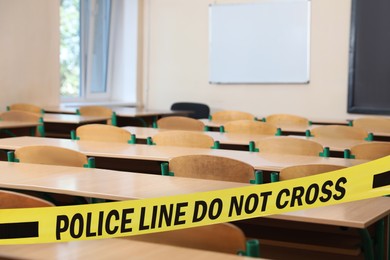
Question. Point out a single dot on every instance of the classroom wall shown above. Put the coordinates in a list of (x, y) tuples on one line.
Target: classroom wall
[(176, 63), (29, 52)]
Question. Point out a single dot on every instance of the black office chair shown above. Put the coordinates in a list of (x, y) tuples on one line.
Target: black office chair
[(199, 110)]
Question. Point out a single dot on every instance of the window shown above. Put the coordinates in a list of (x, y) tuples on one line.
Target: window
[(99, 51), (70, 48), (85, 38)]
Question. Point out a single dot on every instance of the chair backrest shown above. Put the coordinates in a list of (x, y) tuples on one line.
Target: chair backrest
[(373, 124), (212, 168), (299, 171), (180, 123), (339, 131), (26, 107), (281, 120), (102, 133), (223, 237), (231, 115), (289, 145), (50, 155), (96, 111), (183, 138), (11, 200), (371, 150), (199, 110), (250, 127), (24, 116)]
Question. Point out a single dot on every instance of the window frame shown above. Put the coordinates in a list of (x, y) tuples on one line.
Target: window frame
[(87, 30)]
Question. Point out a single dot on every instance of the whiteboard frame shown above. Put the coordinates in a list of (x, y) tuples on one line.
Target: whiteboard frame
[(299, 74)]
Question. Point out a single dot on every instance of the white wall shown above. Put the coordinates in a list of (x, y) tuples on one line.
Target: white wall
[(176, 63), (29, 52)]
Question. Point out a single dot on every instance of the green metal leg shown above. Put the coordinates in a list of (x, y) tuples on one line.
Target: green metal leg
[(380, 239), (154, 120), (33, 131), (368, 248), (388, 237), (143, 122), (7, 132)]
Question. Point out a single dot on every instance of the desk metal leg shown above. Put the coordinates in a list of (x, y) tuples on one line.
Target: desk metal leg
[(388, 237), (374, 249), (154, 120), (368, 247), (8, 132), (143, 122), (380, 239)]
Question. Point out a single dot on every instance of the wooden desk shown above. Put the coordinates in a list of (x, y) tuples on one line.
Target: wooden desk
[(60, 109), (215, 125), (99, 183), (126, 115), (324, 121), (60, 125), (327, 121), (227, 141), (295, 130), (147, 158), (105, 184), (336, 145), (378, 136), (125, 185), (117, 185), (327, 228), (241, 141), (72, 119), (143, 117), (109, 249), (17, 128)]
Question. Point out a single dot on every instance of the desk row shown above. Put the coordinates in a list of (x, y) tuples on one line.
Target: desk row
[(115, 185), (147, 158)]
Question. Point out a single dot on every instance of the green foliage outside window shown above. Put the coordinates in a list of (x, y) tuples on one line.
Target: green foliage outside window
[(70, 48)]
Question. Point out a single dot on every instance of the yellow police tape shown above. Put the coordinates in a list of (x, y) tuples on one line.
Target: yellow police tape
[(114, 219)]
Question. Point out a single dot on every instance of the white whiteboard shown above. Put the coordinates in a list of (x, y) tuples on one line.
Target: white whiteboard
[(263, 42)]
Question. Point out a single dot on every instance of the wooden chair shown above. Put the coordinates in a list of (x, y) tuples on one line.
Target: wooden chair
[(223, 237), (289, 145), (183, 138), (209, 167), (370, 151), (373, 124), (231, 115), (339, 131), (198, 110), (23, 116), (180, 123), (250, 127), (26, 107), (98, 111), (299, 171), (12, 200), (282, 120), (103, 133), (50, 155)]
